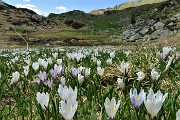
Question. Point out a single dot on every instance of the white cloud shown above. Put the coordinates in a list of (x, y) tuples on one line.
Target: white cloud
[(31, 7), (62, 9), (26, 0)]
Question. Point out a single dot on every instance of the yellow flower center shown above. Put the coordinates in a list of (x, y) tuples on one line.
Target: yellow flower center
[(137, 96), (68, 109), (153, 104), (111, 105), (123, 69)]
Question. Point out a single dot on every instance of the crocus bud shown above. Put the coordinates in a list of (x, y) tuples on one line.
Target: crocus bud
[(100, 71), (120, 83)]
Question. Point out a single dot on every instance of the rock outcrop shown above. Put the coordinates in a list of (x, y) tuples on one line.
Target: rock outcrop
[(154, 30), (74, 24)]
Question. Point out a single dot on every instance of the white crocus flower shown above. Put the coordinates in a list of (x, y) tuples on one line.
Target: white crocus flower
[(43, 99), (154, 74), (54, 55), (66, 93), (68, 109), (49, 60), (112, 54), (59, 61), (45, 64), (40, 61), (120, 83), (98, 63), (100, 71), (63, 80), (154, 102), (140, 75), (136, 99), (72, 95), (109, 61), (178, 115), (87, 71), (26, 70), (80, 78), (15, 77), (35, 66), (63, 92), (15, 60), (28, 61), (111, 107), (94, 59), (169, 63), (123, 67), (127, 52)]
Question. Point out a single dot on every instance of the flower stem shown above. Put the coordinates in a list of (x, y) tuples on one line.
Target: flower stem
[(154, 118), (110, 118), (137, 114)]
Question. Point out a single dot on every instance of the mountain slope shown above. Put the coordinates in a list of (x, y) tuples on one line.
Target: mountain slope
[(126, 5), (80, 28), (12, 16)]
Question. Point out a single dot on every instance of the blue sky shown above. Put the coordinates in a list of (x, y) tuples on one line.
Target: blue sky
[(44, 7)]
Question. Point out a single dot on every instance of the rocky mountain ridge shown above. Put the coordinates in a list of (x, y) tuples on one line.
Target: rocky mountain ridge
[(126, 5), (154, 28)]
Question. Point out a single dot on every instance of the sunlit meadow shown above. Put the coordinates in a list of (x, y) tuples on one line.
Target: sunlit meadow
[(95, 83)]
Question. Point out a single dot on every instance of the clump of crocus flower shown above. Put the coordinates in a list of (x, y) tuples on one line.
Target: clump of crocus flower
[(123, 68), (69, 103)]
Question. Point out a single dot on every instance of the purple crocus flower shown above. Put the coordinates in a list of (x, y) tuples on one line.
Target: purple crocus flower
[(42, 75), (53, 73), (74, 72), (136, 99), (59, 69), (49, 83)]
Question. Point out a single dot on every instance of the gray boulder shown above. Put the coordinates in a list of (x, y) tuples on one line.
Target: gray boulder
[(37, 18), (151, 22), (144, 31), (161, 34), (159, 25), (126, 34), (134, 37)]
